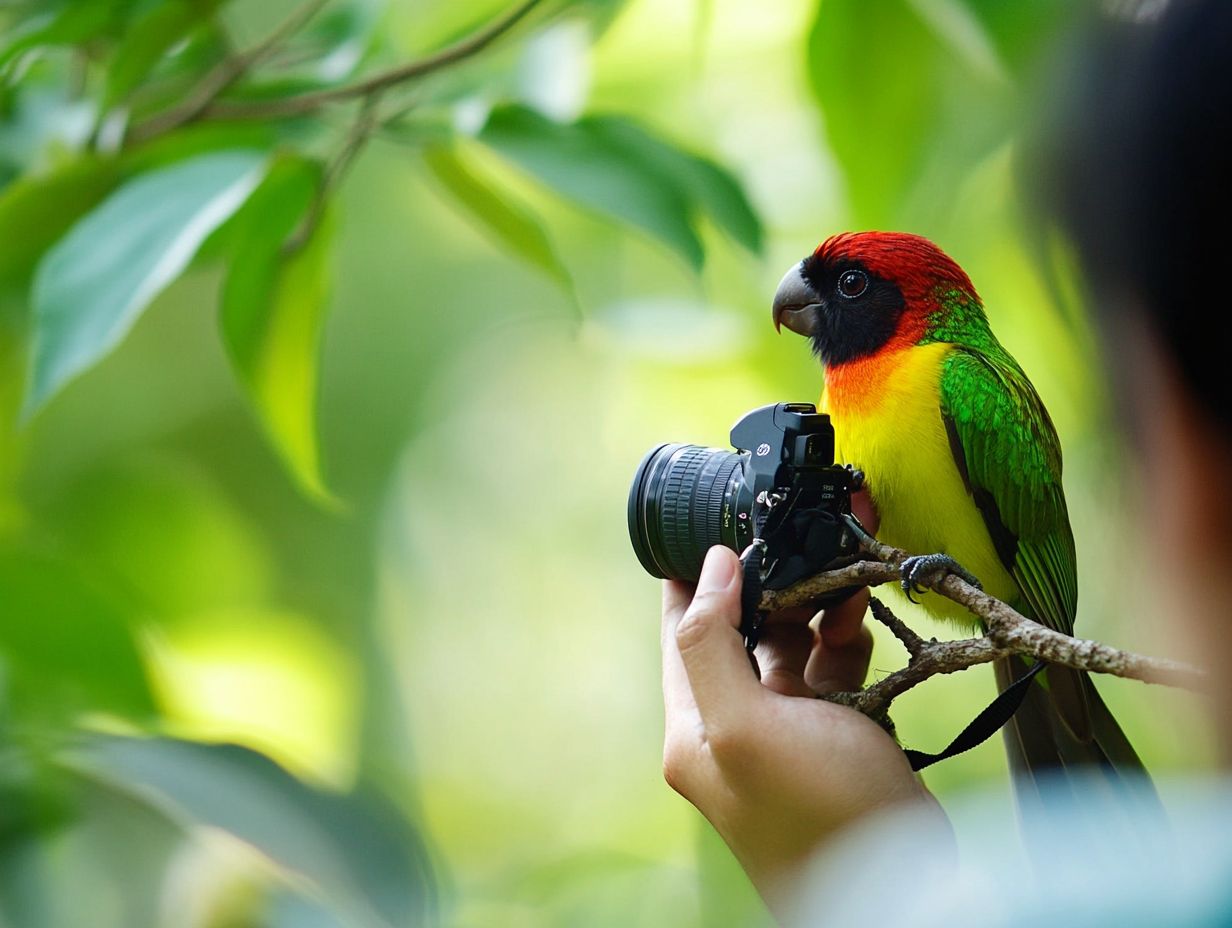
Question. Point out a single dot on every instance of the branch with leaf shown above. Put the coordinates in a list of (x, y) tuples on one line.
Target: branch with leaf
[(207, 145), (1007, 633)]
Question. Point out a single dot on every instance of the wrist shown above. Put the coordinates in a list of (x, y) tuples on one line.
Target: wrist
[(778, 867)]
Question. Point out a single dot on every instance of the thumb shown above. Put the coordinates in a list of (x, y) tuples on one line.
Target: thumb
[(709, 640)]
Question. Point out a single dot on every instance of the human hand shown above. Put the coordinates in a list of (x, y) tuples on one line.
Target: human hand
[(775, 770)]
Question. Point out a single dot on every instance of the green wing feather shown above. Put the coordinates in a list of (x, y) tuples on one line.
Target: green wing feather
[(1007, 450)]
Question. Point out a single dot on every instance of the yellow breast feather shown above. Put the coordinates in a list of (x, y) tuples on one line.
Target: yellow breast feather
[(886, 413)]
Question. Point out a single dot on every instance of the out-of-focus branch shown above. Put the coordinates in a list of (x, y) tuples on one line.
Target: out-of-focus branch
[(366, 122), (223, 75), (306, 103)]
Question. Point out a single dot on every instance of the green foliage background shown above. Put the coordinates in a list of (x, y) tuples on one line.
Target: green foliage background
[(318, 408)]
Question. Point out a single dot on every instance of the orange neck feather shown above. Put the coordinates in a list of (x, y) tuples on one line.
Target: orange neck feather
[(857, 387)]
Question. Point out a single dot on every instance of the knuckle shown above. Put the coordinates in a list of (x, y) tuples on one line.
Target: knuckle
[(693, 629), (700, 620), (732, 748), (707, 601), (673, 774), (677, 761)]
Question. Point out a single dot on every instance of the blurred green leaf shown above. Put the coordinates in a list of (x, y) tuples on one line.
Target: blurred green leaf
[(584, 165), (43, 207), (70, 23), (335, 42), (709, 187), (599, 13), (902, 96), (510, 223), (286, 909), (66, 646), (1022, 32), (197, 139), (147, 39), (91, 287), (164, 534), (273, 310), (357, 850), (62, 868), (614, 165)]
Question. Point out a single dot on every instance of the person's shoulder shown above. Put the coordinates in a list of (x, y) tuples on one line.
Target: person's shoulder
[(1099, 857)]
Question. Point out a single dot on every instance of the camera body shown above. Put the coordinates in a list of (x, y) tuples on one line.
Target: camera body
[(781, 486)]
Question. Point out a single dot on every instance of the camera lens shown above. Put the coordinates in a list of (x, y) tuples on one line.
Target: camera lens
[(684, 499)]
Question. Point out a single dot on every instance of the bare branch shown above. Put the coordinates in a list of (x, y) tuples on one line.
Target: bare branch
[(1007, 632), (807, 591)]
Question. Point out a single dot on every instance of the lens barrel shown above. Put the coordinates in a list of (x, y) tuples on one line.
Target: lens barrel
[(684, 499)]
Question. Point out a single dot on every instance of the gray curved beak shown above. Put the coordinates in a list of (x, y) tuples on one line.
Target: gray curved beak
[(795, 304)]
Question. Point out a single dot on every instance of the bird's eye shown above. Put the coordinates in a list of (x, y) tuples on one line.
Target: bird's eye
[(852, 283)]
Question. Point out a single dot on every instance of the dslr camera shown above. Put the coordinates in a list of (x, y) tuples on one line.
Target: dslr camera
[(779, 495)]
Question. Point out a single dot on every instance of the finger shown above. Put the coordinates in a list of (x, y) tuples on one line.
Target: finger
[(782, 654), (840, 670), (841, 623), (709, 642), (783, 650), (677, 697)]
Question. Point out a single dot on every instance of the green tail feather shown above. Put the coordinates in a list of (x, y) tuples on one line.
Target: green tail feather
[(1045, 753)]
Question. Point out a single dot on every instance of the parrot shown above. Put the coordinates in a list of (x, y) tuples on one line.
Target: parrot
[(961, 460)]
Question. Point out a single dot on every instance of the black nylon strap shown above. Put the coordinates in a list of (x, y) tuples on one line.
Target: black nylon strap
[(750, 593), (984, 725), (752, 561)]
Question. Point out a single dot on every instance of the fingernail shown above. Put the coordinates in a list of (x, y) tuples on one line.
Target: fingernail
[(717, 570)]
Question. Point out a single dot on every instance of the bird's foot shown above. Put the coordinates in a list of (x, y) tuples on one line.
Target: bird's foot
[(926, 570)]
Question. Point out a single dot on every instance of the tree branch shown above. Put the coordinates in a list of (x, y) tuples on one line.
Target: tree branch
[(1007, 632), (223, 75), (305, 103)]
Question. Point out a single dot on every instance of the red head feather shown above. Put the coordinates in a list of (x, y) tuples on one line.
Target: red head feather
[(922, 272), (914, 263)]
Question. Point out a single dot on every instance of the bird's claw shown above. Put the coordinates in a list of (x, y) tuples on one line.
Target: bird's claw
[(926, 570)]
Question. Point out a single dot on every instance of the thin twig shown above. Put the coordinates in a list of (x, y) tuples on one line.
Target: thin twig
[(910, 640), (305, 103), (365, 123), (223, 75), (933, 658)]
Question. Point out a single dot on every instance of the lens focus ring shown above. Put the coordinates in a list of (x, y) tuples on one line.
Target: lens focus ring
[(685, 498), (677, 509)]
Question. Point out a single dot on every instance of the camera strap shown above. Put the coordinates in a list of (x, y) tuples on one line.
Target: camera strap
[(752, 561), (984, 725)]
